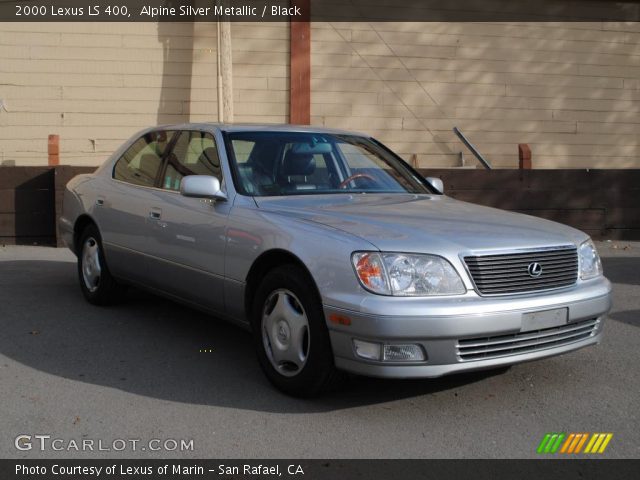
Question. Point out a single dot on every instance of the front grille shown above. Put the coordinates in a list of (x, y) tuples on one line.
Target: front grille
[(508, 273), (485, 348)]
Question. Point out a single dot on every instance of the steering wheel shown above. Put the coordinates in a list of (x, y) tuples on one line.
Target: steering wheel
[(346, 181)]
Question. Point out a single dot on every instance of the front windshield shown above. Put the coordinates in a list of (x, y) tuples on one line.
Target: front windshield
[(299, 163)]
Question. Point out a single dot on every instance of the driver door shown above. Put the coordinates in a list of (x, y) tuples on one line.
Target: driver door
[(186, 236)]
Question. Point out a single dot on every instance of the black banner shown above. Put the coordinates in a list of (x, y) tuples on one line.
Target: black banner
[(318, 10), (320, 469)]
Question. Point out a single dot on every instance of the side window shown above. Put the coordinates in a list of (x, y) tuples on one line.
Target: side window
[(194, 153), (141, 163)]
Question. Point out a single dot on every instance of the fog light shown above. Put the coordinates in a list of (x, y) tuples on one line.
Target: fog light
[(368, 350), (403, 353)]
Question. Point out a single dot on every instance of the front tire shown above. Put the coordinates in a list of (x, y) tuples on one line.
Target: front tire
[(96, 282), (290, 333)]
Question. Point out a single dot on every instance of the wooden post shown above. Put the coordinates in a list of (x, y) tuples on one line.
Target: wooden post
[(53, 149), (226, 64), (219, 73), (524, 156), (300, 66)]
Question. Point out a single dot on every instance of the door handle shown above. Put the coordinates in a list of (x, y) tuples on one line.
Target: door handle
[(99, 202), (155, 214)]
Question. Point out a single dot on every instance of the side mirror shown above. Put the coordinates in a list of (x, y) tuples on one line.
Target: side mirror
[(436, 183), (202, 186)]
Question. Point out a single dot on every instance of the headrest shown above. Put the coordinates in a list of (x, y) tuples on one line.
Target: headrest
[(298, 164)]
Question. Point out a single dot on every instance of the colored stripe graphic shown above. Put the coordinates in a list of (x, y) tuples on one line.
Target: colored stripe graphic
[(551, 442), (543, 443), (594, 437), (598, 442), (572, 443), (567, 442), (581, 443), (607, 439), (577, 438), (556, 445)]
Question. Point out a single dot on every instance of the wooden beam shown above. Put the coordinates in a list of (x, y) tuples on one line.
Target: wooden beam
[(300, 67), (53, 150), (524, 156)]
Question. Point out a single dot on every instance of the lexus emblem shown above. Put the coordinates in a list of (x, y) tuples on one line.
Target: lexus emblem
[(534, 269)]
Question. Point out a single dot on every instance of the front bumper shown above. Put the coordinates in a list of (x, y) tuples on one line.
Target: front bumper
[(448, 323)]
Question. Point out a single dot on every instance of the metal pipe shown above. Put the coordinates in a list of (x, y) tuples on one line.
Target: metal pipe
[(473, 149)]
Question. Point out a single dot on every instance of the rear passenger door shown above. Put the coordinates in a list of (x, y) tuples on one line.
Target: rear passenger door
[(187, 235)]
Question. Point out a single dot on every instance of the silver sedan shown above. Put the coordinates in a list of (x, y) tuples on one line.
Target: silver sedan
[(335, 253)]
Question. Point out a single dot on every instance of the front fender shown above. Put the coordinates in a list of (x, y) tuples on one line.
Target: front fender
[(325, 251)]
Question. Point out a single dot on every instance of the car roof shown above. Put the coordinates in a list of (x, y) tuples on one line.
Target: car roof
[(257, 127)]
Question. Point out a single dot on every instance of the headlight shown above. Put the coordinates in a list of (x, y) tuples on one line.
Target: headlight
[(408, 275), (589, 261)]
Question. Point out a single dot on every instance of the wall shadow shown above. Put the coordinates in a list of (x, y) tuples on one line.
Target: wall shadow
[(33, 206), (177, 66), (152, 347)]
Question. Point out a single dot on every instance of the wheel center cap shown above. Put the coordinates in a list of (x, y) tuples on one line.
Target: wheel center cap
[(283, 332)]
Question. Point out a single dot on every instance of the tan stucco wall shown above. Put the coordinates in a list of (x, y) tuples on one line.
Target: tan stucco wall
[(97, 84), (570, 90)]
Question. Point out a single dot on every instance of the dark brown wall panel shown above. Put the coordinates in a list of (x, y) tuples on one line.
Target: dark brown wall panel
[(26, 214), (603, 203)]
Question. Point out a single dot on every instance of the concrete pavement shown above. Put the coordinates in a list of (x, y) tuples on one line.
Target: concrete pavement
[(139, 371)]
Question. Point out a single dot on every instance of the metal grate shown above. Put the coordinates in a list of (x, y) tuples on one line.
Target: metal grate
[(509, 273), (485, 348)]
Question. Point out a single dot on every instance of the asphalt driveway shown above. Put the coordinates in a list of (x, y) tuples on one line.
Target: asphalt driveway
[(151, 369)]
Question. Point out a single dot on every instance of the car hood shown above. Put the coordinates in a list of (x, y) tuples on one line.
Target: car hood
[(423, 223)]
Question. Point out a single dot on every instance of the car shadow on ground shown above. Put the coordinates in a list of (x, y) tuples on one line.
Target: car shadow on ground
[(630, 317), (154, 347), (623, 270)]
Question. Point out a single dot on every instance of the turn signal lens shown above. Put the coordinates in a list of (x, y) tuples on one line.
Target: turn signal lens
[(370, 271), (368, 350), (403, 353)]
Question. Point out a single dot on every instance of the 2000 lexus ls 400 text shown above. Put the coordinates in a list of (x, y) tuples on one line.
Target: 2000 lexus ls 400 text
[(333, 251)]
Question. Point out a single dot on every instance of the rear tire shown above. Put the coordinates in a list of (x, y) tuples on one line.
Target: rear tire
[(96, 282), (290, 334)]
